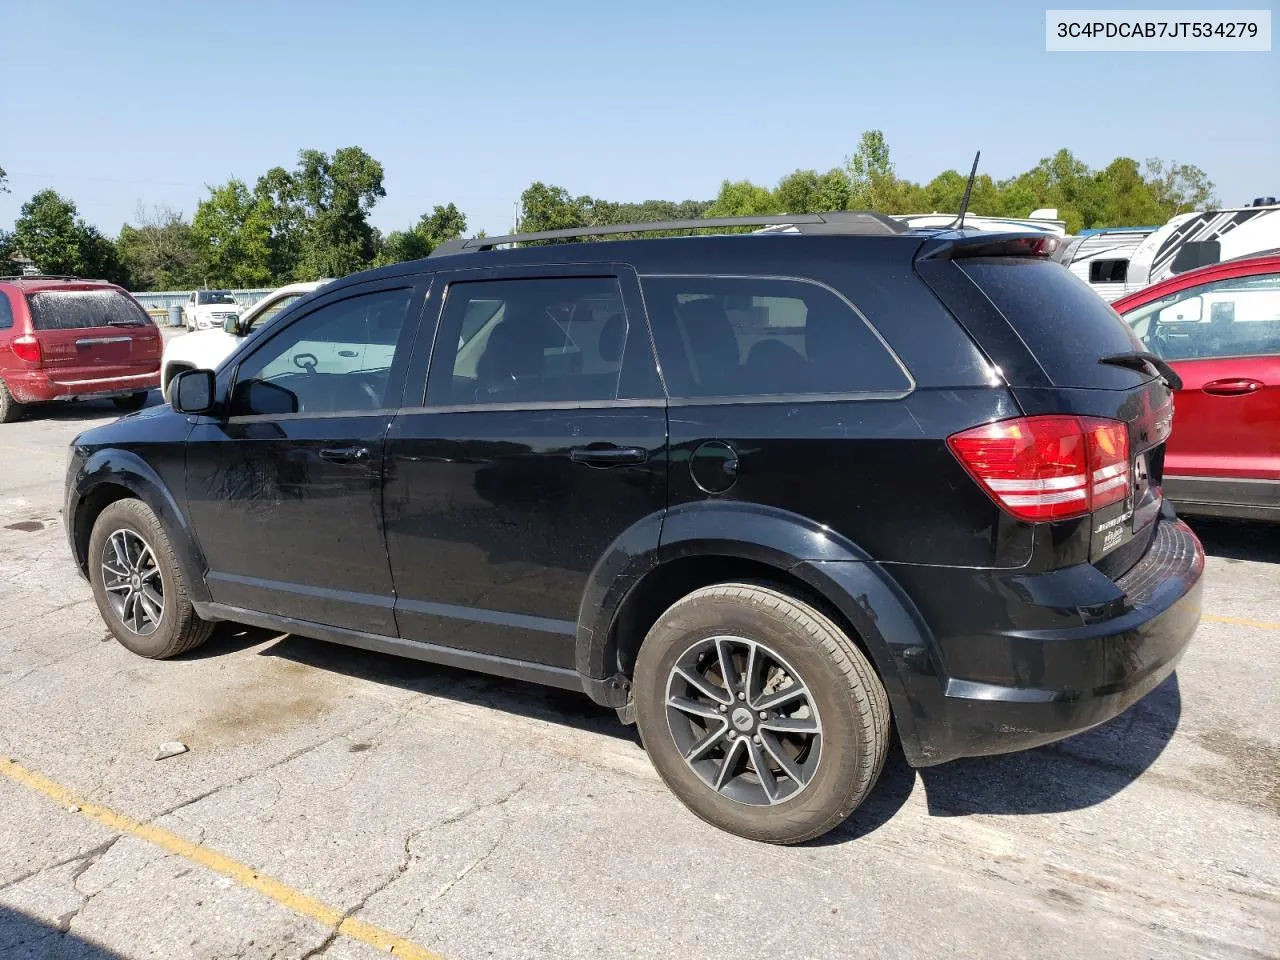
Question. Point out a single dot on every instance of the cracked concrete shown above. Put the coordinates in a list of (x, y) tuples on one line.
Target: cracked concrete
[(482, 818)]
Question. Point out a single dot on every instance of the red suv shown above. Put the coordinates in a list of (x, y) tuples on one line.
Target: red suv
[(62, 338), (1219, 328)]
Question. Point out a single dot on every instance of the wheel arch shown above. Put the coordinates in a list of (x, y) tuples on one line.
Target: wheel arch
[(112, 475), (716, 542)]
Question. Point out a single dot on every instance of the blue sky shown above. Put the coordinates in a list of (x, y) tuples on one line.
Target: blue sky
[(470, 102)]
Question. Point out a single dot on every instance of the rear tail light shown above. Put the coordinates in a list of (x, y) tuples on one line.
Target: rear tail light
[(27, 348), (1048, 468)]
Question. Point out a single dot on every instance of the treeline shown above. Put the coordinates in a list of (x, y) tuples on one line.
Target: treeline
[(313, 221), (1122, 194), (301, 224)]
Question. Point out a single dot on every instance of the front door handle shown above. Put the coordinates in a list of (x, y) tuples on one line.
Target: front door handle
[(346, 454), (1232, 387), (604, 457)]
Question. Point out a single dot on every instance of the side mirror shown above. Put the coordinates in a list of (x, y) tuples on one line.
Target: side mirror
[(231, 325), (193, 391), (1189, 310)]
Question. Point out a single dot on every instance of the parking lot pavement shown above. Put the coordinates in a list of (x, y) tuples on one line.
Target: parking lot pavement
[(341, 802)]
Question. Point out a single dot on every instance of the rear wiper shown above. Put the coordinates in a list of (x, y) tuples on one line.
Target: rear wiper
[(1139, 360)]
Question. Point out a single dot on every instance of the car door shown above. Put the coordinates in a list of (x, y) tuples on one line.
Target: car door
[(540, 440), (1223, 339), (284, 490)]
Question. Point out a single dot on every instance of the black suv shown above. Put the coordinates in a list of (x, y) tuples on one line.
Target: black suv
[(765, 494)]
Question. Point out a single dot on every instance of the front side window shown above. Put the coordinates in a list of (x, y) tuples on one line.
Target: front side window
[(761, 337), (336, 359), (1239, 317), (529, 341)]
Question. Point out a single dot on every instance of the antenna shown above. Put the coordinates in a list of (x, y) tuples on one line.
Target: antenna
[(958, 223)]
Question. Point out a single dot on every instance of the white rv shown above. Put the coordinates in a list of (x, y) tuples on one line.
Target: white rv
[(1198, 239), (1042, 221), (1101, 257)]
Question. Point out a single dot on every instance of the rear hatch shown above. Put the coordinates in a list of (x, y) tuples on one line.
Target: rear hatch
[(90, 332), (1065, 352)]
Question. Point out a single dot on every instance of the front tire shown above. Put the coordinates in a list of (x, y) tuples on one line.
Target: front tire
[(759, 713), (138, 584), (10, 409), (133, 401)]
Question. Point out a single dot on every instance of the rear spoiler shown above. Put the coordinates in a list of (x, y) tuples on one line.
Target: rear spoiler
[(960, 244)]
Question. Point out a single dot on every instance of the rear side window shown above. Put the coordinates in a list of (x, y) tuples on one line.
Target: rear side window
[(762, 337), (6, 311), (77, 309), (545, 340), (1064, 323)]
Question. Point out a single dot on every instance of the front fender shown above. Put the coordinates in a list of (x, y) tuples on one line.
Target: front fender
[(832, 566), (123, 468)]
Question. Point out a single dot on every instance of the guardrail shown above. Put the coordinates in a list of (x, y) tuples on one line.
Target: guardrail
[(159, 302)]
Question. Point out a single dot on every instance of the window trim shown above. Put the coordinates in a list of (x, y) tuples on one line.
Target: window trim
[(252, 345), (603, 271), (824, 397)]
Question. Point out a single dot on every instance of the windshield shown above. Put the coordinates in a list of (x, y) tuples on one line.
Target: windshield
[(215, 296)]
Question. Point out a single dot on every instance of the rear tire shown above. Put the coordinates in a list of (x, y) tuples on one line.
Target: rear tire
[(815, 714), (129, 549), (134, 401), (10, 409)]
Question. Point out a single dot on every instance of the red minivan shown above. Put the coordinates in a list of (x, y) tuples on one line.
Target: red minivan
[(63, 338), (1219, 328)]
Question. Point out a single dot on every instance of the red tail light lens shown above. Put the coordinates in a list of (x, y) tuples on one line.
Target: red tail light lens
[(27, 348), (1048, 468)]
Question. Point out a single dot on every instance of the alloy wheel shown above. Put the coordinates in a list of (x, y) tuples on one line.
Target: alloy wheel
[(744, 720), (133, 582)]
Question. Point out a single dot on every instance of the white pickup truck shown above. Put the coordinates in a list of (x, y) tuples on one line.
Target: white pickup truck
[(210, 345)]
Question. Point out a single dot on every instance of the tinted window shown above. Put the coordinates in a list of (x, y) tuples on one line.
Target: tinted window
[(529, 341), (738, 337), (6, 312), (77, 309), (267, 315), (1108, 271), (1239, 317), (1061, 320), (335, 359)]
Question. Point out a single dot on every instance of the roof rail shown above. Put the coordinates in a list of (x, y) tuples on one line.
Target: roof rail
[(849, 222), (48, 276)]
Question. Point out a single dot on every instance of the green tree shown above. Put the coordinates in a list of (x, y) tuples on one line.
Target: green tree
[(742, 198), (1179, 187), (51, 232), (160, 251), (547, 207), (4, 178), (432, 229), (336, 194), (232, 229)]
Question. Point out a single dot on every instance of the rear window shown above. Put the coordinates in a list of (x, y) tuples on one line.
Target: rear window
[(762, 337), (77, 309), (6, 312), (1064, 323)]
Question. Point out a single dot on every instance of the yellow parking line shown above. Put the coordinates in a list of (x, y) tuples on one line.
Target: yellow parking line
[(1240, 622), (167, 840)]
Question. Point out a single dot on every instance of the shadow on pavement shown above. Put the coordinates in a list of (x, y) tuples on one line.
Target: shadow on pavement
[(1079, 772), (84, 410), (1238, 539), (567, 707), (26, 938)]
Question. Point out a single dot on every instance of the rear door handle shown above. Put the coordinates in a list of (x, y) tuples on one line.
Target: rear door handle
[(605, 457), (346, 454), (1232, 387)]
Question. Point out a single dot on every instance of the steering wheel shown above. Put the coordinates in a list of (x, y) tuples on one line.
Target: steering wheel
[(306, 361)]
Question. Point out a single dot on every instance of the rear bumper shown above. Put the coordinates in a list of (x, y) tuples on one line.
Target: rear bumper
[(1011, 689), (1221, 497), (37, 386)]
